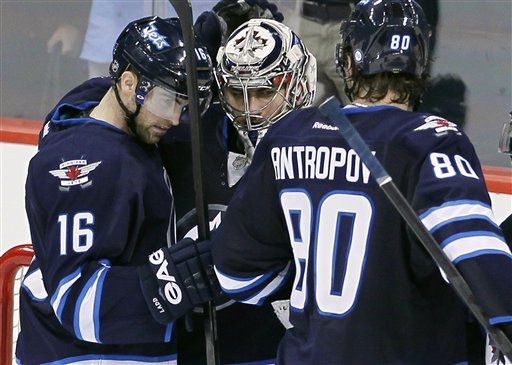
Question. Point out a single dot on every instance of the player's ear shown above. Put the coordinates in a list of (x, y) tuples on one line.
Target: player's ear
[(128, 82), (350, 64)]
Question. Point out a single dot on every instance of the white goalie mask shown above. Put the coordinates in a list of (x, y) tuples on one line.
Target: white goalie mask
[(263, 72)]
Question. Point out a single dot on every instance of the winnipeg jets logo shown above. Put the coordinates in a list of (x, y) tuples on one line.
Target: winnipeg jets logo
[(250, 46), (439, 124), (151, 32), (74, 172)]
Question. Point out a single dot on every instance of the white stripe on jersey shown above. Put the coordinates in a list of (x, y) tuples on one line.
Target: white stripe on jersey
[(230, 284), (86, 315), (62, 291), (458, 210), (476, 245), (33, 283), (270, 288)]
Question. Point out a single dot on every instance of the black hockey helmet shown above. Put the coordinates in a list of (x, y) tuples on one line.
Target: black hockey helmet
[(386, 36), (154, 48)]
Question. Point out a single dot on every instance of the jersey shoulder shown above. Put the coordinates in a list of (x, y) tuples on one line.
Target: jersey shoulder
[(298, 125), (71, 158), (421, 130), (90, 90)]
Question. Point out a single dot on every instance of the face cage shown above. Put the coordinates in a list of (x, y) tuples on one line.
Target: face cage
[(505, 142), (242, 118)]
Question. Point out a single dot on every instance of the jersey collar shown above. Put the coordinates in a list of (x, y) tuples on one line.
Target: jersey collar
[(355, 109), (68, 115)]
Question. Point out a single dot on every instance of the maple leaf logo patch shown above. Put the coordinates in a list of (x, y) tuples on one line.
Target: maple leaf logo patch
[(74, 172)]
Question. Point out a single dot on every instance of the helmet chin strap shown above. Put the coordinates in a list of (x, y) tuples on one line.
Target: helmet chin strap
[(129, 116)]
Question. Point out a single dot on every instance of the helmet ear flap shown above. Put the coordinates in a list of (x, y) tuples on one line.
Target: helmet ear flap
[(306, 96)]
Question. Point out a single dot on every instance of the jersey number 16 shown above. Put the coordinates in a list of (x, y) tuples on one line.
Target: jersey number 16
[(82, 235)]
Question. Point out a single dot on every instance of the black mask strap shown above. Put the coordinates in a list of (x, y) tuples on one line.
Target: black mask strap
[(129, 116)]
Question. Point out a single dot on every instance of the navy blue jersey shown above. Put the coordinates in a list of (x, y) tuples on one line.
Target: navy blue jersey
[(246, 333), (365, 291), (98, 203)]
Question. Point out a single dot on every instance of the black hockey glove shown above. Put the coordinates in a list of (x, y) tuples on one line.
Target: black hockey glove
[(178, 278), (214, 27)]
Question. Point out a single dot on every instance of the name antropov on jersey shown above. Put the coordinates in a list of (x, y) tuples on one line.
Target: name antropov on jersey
[(312, 162)]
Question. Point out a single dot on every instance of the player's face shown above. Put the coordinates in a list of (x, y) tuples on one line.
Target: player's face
[(151, 128), (160, 111), (259, 104)]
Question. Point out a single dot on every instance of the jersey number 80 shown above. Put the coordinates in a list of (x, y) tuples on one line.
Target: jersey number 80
[(355, 209)]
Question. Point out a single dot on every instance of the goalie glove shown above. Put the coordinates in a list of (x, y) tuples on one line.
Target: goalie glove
[(178, 278), (214, 27)]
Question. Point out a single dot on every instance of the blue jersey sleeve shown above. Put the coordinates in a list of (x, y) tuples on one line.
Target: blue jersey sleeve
[(251, 251), (89, 225), (452, 201)]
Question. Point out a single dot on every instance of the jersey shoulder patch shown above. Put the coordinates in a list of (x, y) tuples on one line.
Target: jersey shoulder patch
[(74, 172), (438, 125)]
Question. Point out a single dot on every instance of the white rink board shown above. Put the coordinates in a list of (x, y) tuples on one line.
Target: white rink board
[(14, 159)]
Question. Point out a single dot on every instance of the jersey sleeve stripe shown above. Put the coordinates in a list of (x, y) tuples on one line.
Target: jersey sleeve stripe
[(473, 246), (479, 253), (58, 299), (34, 286), (86, 320), (501, 319), (168, 332), (232, 284), (451, 212), (270, 288), (480, 235), (454, 203)]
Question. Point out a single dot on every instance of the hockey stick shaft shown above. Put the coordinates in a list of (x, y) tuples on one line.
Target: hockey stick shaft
[(331, 109), (184, 10)]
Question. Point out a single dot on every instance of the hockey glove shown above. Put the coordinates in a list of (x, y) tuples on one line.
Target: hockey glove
[(214, 27), (178, 278)]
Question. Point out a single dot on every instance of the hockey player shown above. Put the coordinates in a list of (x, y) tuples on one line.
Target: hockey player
[(492, 354), (264, 71), (505, 146), (99, 203), (365, 291)]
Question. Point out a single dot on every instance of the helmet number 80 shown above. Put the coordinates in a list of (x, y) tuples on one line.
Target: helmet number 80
[(400, 42)]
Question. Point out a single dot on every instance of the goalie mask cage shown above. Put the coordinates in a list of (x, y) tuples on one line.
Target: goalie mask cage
[(13, 264)]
